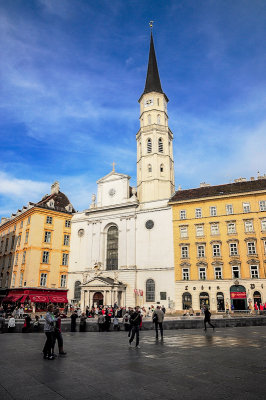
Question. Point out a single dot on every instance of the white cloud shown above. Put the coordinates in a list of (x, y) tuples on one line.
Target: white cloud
[(22, 189)]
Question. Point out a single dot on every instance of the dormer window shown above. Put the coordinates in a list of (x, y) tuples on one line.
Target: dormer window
[(69, 207), (51, 203)]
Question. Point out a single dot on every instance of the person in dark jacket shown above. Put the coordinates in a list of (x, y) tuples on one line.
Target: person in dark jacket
[(135, 320), (74, 317), (107, 320), (207, 318), (82, 324), (58, 334)]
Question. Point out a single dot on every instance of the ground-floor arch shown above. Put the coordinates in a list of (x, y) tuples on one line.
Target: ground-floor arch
[(238, 298), (220, 302), (97, 299), (187, 301)]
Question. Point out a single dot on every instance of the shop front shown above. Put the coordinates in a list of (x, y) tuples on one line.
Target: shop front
[(36, 300), (238, 298)]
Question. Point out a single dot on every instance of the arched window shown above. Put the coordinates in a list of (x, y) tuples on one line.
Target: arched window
[(160, 145), (149, 146), (112, 248), (161, 168), (158, 119), (186, 300), (149, 168), (77, 290), (149, 119), (150, 290), (204, 299)]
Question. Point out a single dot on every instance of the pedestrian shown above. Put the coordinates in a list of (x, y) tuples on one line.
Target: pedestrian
[(82, 324), (58, 334), (11, 324), (207, 318), (126, 321), (107, 320), (2, 320), (135, 320), (116, 324), (74, 317), (27, 324), (20, 312), (157, 318), (101, 321), (49, 332), (36, 324), (163, 309), (16, 313)]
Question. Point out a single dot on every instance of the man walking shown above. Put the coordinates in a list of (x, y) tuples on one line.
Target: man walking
[(207, 318), (158, 317), (135, 321)]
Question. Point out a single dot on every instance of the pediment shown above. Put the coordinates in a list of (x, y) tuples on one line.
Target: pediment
[(113, 176), (102, 282)]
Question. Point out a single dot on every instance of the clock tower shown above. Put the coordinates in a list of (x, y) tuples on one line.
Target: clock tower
[(155, 165)]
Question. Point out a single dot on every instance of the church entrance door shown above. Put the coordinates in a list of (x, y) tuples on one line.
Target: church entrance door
[(98, 299)]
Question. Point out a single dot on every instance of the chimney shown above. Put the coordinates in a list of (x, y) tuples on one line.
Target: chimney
[(238, 180), (55, 188)]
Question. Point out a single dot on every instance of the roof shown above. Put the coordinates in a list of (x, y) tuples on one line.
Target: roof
[(153, 83), (219, 190), (60, 202)]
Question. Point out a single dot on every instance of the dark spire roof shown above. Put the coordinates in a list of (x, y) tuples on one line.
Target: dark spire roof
[(153, 83)]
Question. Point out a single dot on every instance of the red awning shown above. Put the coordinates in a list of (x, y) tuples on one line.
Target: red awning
[(16, 297), (9, 297), (58, 298), (39, 298), (23, 298)]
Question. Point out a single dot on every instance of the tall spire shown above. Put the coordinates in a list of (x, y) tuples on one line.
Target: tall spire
[(153, 83)]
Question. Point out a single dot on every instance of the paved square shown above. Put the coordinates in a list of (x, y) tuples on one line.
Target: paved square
[(189, 364)]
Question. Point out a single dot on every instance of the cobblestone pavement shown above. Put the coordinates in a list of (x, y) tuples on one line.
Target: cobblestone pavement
[(228, 363)]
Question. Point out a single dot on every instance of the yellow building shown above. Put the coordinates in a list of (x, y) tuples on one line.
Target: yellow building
[(34, 246), (220, 245)]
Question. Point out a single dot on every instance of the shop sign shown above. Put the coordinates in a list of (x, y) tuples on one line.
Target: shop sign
[(238, 295)]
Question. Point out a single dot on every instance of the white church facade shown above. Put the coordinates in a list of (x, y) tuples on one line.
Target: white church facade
[(122, 246)]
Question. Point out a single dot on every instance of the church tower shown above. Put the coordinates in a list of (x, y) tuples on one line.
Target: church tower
[(155, 165)]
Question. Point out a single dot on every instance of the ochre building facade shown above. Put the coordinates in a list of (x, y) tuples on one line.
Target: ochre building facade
[(34, 245), (220, 246)]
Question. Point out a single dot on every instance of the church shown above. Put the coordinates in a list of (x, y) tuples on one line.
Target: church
[(122, 246)]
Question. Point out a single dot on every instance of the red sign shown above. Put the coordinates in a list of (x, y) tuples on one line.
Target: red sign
[(238, 295)]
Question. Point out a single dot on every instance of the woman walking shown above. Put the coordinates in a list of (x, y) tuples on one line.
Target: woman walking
[(49, 332)]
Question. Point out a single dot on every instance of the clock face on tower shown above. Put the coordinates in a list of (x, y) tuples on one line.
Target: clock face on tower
[(148, 102), (112, 192)]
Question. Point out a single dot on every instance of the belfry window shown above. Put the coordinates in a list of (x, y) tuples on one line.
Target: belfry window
[(112, 248), (149, 146), (150, 290), (160, 145)]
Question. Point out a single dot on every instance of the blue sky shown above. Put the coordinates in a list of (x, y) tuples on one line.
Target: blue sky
[(71, 72)]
